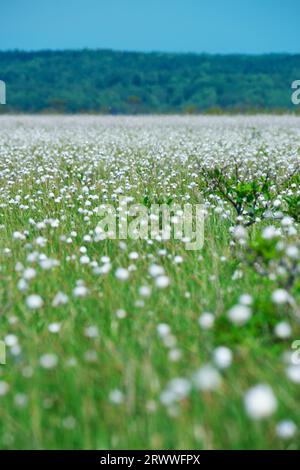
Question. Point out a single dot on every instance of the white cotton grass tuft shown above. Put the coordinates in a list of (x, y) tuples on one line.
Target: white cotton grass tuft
[(48, 361), (287, 221), (91, 331), (22, 285), (21, 400), (206, 320), (69, 422), (293, 373), (162, 282), (4, 388), (269, 233), (240, 233), (239, 314), (121, 313), (91, 355), (28, 274), (286, 429), (156, 270), (80, 291), (222, 357), (54, 327), (177, 389), (18, 236), (174, 355), (260, 402), (11, 340), (246, 299), (207, 378), (145, 291), (84, 259), (116, 396), (283, 330), (122, 274), (163, 330), (60, 299), (292, 252), (133, 255), (34, 301), (280, 296)]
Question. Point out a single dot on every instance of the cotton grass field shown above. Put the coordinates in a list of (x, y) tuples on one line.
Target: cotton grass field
[(115, 344)]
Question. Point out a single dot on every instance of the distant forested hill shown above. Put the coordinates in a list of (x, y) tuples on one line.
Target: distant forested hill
[(124, 82)]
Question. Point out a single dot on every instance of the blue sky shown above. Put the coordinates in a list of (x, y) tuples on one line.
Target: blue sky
[(215, 26)]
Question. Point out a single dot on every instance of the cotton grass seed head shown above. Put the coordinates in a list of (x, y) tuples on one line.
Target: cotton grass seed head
[(222, 357), (80, 291), (260, 402), (207, 378), (286, 429), (283, 330), (206, 320), (54, 327), (34, 301), (162, 282), (4, 388), (116, 397), (163, 330), (239, 314), (280, 296), (122, 274), (48, 361), (293, 373)]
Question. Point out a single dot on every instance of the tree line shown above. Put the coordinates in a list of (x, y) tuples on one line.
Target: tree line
[(104, 81)]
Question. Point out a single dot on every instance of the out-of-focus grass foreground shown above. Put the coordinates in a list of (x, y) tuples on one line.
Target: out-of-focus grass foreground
[(142, 343)]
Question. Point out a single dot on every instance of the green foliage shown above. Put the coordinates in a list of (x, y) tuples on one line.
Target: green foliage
[(293, 203), (243, 195), (263, 249), (105, 81)]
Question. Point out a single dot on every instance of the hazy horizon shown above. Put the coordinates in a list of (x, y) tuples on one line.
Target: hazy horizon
[(127, 51)]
